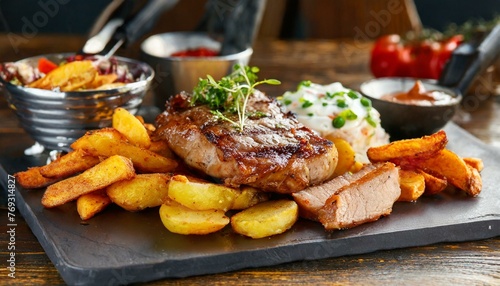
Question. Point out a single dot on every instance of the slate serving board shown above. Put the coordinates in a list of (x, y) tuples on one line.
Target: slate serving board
[(119, 247)]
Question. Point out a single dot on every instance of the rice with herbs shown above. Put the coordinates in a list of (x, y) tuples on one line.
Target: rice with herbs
[(333, 110)]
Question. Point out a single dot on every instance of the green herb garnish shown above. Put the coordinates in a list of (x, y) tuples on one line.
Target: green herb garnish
[(230, 94), (352, 94), (341, 103), (370, 121), (349, 114), (306, 83), (307, 104)]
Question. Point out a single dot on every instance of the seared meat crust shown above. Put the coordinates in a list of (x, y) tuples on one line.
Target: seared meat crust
[(274, 152)]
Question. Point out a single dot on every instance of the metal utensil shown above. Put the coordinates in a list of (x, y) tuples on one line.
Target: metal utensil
[(119, 29)]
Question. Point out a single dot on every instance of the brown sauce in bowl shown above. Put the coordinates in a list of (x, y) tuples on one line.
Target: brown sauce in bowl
[(418, 95)]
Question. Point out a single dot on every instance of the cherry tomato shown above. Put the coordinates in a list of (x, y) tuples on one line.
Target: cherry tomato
[(45, 66), (385, 56), (425, 57), (406, 62), (391, 56), (447, 48)]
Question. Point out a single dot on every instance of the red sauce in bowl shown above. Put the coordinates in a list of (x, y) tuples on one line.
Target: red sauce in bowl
[(418, 95), (196, 52)]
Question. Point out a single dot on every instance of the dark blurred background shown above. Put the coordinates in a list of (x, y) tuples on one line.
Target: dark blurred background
[(290, 19)]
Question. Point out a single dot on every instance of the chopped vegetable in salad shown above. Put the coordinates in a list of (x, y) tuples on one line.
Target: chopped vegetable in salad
[(71, 74)]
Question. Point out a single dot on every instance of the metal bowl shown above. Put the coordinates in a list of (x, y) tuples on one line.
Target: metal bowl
[(56, 119), (176, 74), (404, 121)]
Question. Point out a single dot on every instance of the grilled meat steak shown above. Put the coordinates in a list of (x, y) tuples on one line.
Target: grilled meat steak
[(351, 200), (274, 152)]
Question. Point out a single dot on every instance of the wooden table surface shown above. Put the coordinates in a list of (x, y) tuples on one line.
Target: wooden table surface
[(466, 263)]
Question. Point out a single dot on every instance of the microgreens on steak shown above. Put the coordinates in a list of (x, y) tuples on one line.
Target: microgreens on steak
[(230, 94)]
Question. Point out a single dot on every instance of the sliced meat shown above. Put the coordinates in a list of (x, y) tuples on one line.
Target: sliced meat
[(312, 199), (364, 200), (274, 152)]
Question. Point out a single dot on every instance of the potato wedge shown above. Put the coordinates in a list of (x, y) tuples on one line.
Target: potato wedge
[(110, 86), (182, 220), (412, 185), (161, 147), (68, 77), (448, 165), (143, 191), (247, 197), (417, 149), (266, 219), (106, 142), (475, 163), (33, 179), (433, 184), (131, 127), (67, 165), (90, 204), (101, 79), (356, 167), (346, 155), (201, 195), (475, 182), (112, 169)]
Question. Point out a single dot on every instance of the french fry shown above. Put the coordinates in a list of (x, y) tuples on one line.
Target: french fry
[(67, 165), (412, 185), (90, 204), (183, 220), (107, 172), (107, 142), (475, 163), (266, 219), (143, 191), (131, 127), (433, 184), (33, 179), (417, 149), (201, 195)]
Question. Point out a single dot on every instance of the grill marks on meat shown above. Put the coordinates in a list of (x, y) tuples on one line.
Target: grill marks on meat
[(274, 152), (351, 200)]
